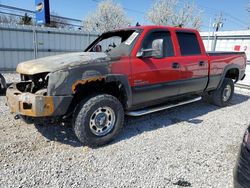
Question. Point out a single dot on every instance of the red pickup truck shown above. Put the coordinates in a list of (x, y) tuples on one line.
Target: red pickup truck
[(133, 71)]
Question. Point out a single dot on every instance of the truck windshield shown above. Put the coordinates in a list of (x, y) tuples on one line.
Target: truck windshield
[(115, 43)]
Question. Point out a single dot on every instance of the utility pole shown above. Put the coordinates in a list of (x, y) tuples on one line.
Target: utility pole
[(219, 22), (248, 10)]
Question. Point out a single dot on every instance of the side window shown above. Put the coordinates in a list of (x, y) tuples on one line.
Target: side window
[(108, 44), (189, 44), (153, 40)]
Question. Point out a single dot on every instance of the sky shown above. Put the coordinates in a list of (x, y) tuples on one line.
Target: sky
[(234, 11)]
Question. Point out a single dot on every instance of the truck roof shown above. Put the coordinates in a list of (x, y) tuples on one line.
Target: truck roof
[(149, 27)]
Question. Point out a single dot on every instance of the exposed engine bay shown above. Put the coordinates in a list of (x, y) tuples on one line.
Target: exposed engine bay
[(36, 84)]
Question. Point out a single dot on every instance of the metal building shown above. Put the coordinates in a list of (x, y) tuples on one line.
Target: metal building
[(20, 43), (228, 41)]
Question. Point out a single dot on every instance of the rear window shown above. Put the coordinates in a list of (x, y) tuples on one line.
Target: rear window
[(189, 44)]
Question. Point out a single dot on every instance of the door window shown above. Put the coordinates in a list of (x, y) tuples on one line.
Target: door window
[(154, 39), (189, 44)]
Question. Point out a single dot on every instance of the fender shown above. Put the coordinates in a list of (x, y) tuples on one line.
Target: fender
[(122, 79), (227, 68)]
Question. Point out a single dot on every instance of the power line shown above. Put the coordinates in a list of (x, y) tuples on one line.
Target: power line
[(225, 13), (33, 12)]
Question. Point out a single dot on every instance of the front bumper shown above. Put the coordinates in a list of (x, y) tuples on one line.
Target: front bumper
[(32, 105)]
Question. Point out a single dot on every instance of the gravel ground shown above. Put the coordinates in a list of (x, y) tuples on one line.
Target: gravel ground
[(194, 146)]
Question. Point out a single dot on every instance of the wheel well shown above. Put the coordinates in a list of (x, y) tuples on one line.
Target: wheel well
[(233, 74), (115, 89)]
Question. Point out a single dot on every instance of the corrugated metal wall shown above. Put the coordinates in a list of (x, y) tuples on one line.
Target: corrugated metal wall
[(21, 43), (228, 41)]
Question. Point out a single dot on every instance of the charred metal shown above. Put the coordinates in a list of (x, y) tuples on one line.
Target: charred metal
[(34, 83)]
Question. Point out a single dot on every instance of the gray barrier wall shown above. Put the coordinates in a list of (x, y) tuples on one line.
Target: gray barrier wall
[(21, 43), (228, 41)]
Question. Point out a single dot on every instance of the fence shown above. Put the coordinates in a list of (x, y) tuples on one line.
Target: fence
[(21, 43), (228, 41)]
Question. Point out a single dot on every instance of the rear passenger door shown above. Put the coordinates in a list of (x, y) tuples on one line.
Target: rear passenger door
[(193, 63)]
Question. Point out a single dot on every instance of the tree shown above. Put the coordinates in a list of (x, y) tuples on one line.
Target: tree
[(26, 20), (161, 12), (108, 16), (169, 12)]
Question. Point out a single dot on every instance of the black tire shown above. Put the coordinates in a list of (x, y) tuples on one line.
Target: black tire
[(218, 98), (83, 128), (2, 84)]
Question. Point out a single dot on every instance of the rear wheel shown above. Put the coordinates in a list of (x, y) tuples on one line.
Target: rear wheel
[(223, 95), (98, 120)]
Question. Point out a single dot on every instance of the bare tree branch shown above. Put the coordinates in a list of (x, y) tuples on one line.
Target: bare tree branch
[(168, 12), (25, 20), (108, 16)]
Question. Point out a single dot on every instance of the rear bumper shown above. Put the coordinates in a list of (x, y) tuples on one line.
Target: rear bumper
[(32, 105)]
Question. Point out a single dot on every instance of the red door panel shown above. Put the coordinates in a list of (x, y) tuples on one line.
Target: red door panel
[(153, 79), (153, 71)]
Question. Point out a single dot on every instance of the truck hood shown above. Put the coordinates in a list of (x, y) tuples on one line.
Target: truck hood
[(57, 62)]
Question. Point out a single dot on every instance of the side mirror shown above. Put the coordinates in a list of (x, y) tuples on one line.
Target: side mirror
[(156, 51), (145, 53)]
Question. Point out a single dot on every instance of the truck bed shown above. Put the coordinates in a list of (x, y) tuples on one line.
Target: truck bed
[(210, 53)]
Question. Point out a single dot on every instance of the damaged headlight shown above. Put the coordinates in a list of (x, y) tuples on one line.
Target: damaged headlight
[(57, 82)]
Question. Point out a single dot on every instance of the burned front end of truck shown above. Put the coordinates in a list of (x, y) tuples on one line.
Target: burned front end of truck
[(31, 99), (45, 91)]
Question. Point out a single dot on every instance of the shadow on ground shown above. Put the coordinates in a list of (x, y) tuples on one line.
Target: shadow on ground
[(59, 133), (136, 125)]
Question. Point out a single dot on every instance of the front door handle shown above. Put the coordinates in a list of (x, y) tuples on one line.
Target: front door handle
[(201, 63), (175, 65)]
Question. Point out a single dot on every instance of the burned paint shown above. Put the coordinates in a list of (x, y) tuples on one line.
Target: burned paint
[(85, 81), (95, 69), (33, 105), (58, 62)]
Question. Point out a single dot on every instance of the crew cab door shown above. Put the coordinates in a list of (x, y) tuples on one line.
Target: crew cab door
[(153, 77), (193, 62)]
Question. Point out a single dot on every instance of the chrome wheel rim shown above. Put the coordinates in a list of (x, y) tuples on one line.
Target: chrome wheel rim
[(102, 121), (227, 93)]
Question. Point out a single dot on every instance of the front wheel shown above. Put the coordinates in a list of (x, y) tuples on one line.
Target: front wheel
[(98, 120), (223, 95)]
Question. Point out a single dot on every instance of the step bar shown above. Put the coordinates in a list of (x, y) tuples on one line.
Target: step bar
[(160, 108)]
